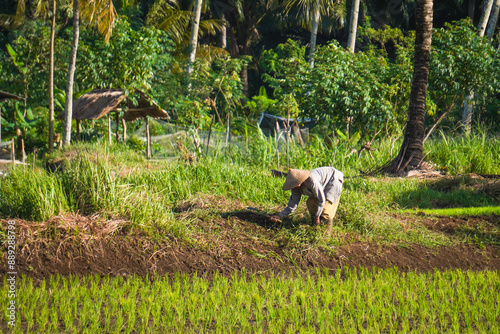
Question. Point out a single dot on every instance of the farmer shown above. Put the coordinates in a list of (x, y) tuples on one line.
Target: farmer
[(323, 186)]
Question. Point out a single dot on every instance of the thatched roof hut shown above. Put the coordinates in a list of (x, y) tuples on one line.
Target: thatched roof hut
[(100, 102)]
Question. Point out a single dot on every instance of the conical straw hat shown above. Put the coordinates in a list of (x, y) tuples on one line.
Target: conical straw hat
[(295, 177)]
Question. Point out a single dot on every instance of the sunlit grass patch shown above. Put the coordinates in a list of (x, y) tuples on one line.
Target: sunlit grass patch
[(470, 211)]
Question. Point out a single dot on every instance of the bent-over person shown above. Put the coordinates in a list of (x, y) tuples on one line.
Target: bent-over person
[(322, 185)]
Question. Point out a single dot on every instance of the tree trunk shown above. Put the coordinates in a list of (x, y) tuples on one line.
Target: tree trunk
[(469, 100), (314, 33), (492, 24), (194, 35), (71, 75), (351, 42), (485, 16), (223, 34), (51, 77), (411, 153)]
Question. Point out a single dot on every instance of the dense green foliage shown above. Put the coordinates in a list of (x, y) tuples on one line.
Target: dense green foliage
[(354, 96)]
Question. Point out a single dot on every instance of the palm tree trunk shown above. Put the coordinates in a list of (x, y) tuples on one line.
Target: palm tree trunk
[(51, 77), (469, 100), (351, 42), (411, 153), (483, 22), (492, 23), (71, 75), (314, 33), (194, 35), (223, 34)]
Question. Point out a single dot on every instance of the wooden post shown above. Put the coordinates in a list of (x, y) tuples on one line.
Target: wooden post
[(124, 126), (148, 140), (13, 152), (288, 139), (35, 152), (23, 153), (78, 129), (276, 141), (109, 129), (117, 118), (210, 132), (228, 135)]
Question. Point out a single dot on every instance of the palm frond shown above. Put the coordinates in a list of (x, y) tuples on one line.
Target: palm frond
[(11, 22), (211, 27), (100, 13), (210, 52)]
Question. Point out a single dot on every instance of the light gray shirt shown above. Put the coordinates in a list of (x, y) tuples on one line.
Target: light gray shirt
[(324, 183)]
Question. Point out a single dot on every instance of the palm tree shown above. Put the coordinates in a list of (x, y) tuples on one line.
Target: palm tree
[(194, 34), (468, 103), (312, 10), (168, 16), (411, 153), (102, 14), (68, 106), (11, 22), (492, 24), (51, 77), (351, 42)]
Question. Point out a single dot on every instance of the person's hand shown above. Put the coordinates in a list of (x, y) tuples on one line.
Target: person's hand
[(315, 221), (275, 218)]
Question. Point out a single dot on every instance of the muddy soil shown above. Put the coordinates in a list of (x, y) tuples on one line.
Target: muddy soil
[(240, 240)]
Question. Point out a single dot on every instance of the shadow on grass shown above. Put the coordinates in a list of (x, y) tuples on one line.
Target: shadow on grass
[(262, 220), (451, 192), (480, 230)]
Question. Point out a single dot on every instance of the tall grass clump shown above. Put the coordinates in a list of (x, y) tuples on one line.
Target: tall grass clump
[(476, 152), (90, 184), (31, 193), (177, 181)]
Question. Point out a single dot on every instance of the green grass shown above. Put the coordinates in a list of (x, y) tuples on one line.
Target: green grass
[(474, 211), (477, 152), (351, 300), (118, 182)]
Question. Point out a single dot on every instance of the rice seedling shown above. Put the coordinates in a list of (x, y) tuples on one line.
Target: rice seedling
[(375, 300)]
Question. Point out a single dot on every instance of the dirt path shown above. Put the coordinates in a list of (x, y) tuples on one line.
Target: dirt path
[(77, 245)]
